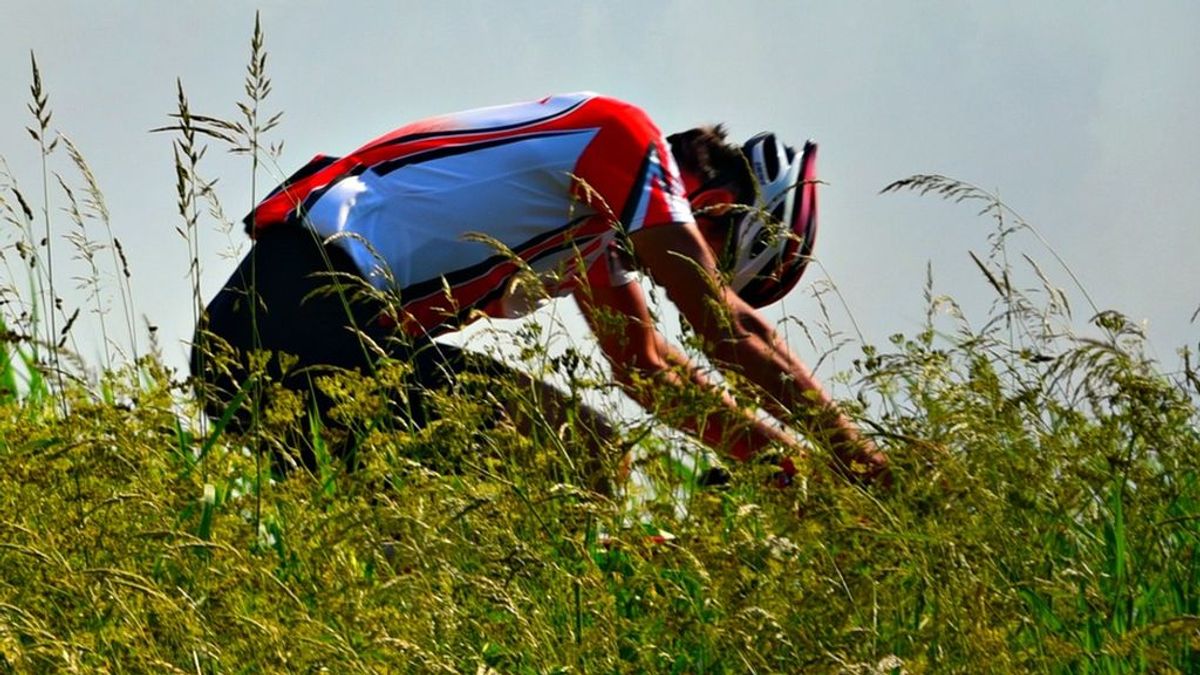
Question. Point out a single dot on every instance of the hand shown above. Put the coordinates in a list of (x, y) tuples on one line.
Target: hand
[(786, 475), (861, 461)]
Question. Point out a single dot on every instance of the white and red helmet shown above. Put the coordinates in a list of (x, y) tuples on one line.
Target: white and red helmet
[(773, 242)]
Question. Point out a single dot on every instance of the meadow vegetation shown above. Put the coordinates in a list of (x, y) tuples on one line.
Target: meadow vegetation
[(1045, 514)]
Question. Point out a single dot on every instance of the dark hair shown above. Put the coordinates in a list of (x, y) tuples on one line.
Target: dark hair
[(705, 152)]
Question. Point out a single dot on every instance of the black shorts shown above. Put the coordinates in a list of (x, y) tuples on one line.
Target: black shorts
[(298, 315)]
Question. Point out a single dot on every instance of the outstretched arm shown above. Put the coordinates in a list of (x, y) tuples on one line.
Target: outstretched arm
[(738, 338), (661, 379)]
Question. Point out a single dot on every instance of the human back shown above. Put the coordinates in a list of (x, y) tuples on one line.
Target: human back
[(445, 211)]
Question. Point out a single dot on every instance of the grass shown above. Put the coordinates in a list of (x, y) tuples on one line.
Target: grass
[(1046, 515)]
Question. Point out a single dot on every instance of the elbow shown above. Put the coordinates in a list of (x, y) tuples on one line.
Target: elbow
[(752, 325), (734, 338)]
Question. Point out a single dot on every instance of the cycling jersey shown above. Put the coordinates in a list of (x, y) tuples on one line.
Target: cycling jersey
[(446, 211)]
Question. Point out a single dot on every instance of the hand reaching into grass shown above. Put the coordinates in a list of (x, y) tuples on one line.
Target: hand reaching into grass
[(862, 462)]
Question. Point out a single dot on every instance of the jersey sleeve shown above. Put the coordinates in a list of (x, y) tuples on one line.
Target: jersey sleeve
[(611, 269), (627, 172)]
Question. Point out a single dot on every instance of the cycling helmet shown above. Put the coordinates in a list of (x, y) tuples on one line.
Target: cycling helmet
[(773, 241)]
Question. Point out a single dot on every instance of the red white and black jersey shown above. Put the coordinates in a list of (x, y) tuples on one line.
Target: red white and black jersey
[(436, 209)]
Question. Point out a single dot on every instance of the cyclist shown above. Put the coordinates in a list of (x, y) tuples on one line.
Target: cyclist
[(451, 217)]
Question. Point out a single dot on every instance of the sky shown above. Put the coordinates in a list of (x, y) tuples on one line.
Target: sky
[(1081, 115)]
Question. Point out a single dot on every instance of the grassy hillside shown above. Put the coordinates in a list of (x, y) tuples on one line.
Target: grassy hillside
[(1045, 516)]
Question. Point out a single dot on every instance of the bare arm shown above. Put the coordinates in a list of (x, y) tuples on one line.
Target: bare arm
[(660, 378), (738, 338)]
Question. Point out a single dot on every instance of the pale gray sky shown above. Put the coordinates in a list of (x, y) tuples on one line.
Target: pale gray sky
[(1082, 114)]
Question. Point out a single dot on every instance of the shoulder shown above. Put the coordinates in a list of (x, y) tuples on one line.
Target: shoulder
[(619, 112), (624, 131), (605, 112)]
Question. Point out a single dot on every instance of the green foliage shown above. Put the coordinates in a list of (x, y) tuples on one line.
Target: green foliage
[(20, 378), (1028, 531)]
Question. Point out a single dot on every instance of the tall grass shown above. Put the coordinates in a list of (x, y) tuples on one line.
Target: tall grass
[(40, 353), (1045, 517), (40, 109)]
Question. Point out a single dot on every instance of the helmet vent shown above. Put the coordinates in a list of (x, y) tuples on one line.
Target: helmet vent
[(771, 158), (760, 243)]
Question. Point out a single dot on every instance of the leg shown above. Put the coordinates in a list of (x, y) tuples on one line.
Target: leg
[(530, 405), (272, 302)]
